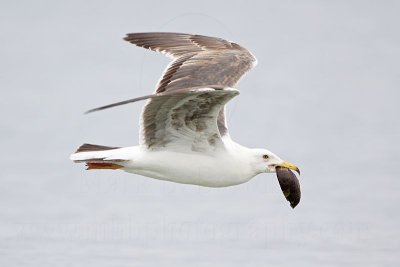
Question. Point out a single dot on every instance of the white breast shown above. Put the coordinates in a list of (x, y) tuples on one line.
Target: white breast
[(212, 170)]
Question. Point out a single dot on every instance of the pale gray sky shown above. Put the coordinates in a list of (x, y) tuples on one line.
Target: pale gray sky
[(324, 95)]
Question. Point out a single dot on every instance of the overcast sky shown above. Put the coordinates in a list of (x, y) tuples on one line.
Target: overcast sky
[(324, 96)]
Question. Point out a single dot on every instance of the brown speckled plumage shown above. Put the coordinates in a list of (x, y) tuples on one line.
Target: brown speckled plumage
[(198, 62)]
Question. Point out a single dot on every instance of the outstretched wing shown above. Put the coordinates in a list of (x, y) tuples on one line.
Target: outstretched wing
[(199, 61), (185, 120)]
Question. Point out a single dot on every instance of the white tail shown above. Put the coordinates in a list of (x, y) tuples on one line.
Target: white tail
[(100, 157)]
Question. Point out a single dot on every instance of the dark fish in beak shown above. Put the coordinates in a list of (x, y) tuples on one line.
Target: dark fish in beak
[(289, 184)]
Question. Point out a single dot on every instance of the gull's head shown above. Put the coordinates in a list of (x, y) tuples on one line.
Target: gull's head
[(266, 161)]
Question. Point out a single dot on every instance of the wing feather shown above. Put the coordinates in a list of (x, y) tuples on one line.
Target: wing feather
[(184, 121), (198, 62)]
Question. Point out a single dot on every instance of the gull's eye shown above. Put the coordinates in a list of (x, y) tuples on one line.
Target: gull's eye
[(265, 157)]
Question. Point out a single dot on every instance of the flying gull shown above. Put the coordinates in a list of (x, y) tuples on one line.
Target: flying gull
[(183, 131)]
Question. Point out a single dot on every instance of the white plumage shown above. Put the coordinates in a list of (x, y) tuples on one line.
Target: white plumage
[(183, 130)]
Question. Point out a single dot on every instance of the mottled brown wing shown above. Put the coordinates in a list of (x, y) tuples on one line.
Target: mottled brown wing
[(198, 60), (184, 120), (222, 68), (176, 44)]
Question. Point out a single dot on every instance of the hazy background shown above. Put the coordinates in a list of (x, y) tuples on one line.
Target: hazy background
[(324, 95)]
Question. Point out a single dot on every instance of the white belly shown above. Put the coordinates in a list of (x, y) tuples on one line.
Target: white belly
[(198, 169)]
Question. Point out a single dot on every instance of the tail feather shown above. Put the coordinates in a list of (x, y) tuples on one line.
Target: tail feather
[(98, 157), (91, 147), (102, 165)]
